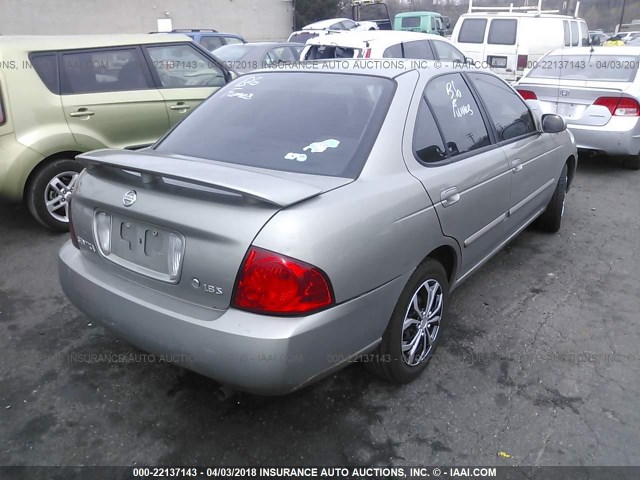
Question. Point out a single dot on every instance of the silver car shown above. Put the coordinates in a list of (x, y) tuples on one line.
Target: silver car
[(300, 220), (596, 91)]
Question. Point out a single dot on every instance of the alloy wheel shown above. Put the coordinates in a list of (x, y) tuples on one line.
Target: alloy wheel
[(422, 322)]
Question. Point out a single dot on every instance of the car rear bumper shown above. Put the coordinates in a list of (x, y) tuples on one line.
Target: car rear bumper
[(254, 353), (621, 136)]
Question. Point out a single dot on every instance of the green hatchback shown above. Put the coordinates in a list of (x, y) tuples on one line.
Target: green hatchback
[(64, 95)]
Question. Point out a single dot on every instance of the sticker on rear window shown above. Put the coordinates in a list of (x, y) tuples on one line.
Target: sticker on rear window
[(300, 157), (319, 147), (238, 91)]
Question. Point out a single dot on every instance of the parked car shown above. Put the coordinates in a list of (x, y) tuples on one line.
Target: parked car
[(425, 22), (251, 56), (597, 92), (629, 36), (209, 38), (509, 42), (70, 94), (266, 250), (341, 24), (383, 44)]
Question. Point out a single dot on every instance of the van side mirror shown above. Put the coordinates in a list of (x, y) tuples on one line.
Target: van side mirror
[(553, 123), (595, 41)]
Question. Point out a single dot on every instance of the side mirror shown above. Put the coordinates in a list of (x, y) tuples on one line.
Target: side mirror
[(595, 41), (553, 123)]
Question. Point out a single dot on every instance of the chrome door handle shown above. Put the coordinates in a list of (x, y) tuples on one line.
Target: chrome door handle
[(180, 106), (449, 196), (82, 112), (516, 166)]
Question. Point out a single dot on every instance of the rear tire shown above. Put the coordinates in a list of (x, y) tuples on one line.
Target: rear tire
[(48, 193), (632, 163), (404, 352), (551, 219)]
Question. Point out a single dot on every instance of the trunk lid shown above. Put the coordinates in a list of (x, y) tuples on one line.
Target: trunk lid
[(574, 100), (193, 217)]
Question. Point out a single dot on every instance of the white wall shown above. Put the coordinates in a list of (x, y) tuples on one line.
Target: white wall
[(256, 20)]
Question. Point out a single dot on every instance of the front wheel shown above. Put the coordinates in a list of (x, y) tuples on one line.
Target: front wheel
[(49, 192), (413, 333), (551, 219)]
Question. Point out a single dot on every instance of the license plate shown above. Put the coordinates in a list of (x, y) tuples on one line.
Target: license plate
[(566, 110), (143, 247), (498, 62)]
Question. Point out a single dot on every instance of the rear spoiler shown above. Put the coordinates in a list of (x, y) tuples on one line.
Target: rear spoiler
[(272, 189)]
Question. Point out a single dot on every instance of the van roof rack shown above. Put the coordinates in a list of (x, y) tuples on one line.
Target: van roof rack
[(536, 10)]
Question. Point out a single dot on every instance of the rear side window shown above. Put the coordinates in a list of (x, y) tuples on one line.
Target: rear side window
[(503, 32), (447, 52), (211, 42), (232, 40), (103, 71), (567, 34), (472, 30), (183, 66), (458, 114), (575, 37), (427, 142), (303, 122), (46, 66), (419, 49), (410, 22), (508, 112), (395, 51)]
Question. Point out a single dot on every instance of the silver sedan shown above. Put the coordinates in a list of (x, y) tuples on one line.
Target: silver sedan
[(597, 92), (300, 220)]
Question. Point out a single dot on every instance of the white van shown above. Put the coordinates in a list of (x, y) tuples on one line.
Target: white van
[(510, 40)]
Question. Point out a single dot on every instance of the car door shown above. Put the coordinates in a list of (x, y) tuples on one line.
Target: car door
[(530, 153), (109, 99), (185, 76), (466, 176)]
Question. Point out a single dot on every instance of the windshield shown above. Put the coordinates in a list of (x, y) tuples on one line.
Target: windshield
[(597, 68), (304, 122)]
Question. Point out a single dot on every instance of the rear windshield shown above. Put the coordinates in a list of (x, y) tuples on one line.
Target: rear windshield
[(304, 122), (410, 22), (302, 37), (597, 68), (472, 30), (319, 52), (503, 32)]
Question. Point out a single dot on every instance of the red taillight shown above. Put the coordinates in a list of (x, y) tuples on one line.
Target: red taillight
[(620, 106), (367, 53), (274, 284), (527, 94), (72, 231), (523, 60)]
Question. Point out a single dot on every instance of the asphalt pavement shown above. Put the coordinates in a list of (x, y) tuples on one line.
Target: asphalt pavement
[(539, 365)]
